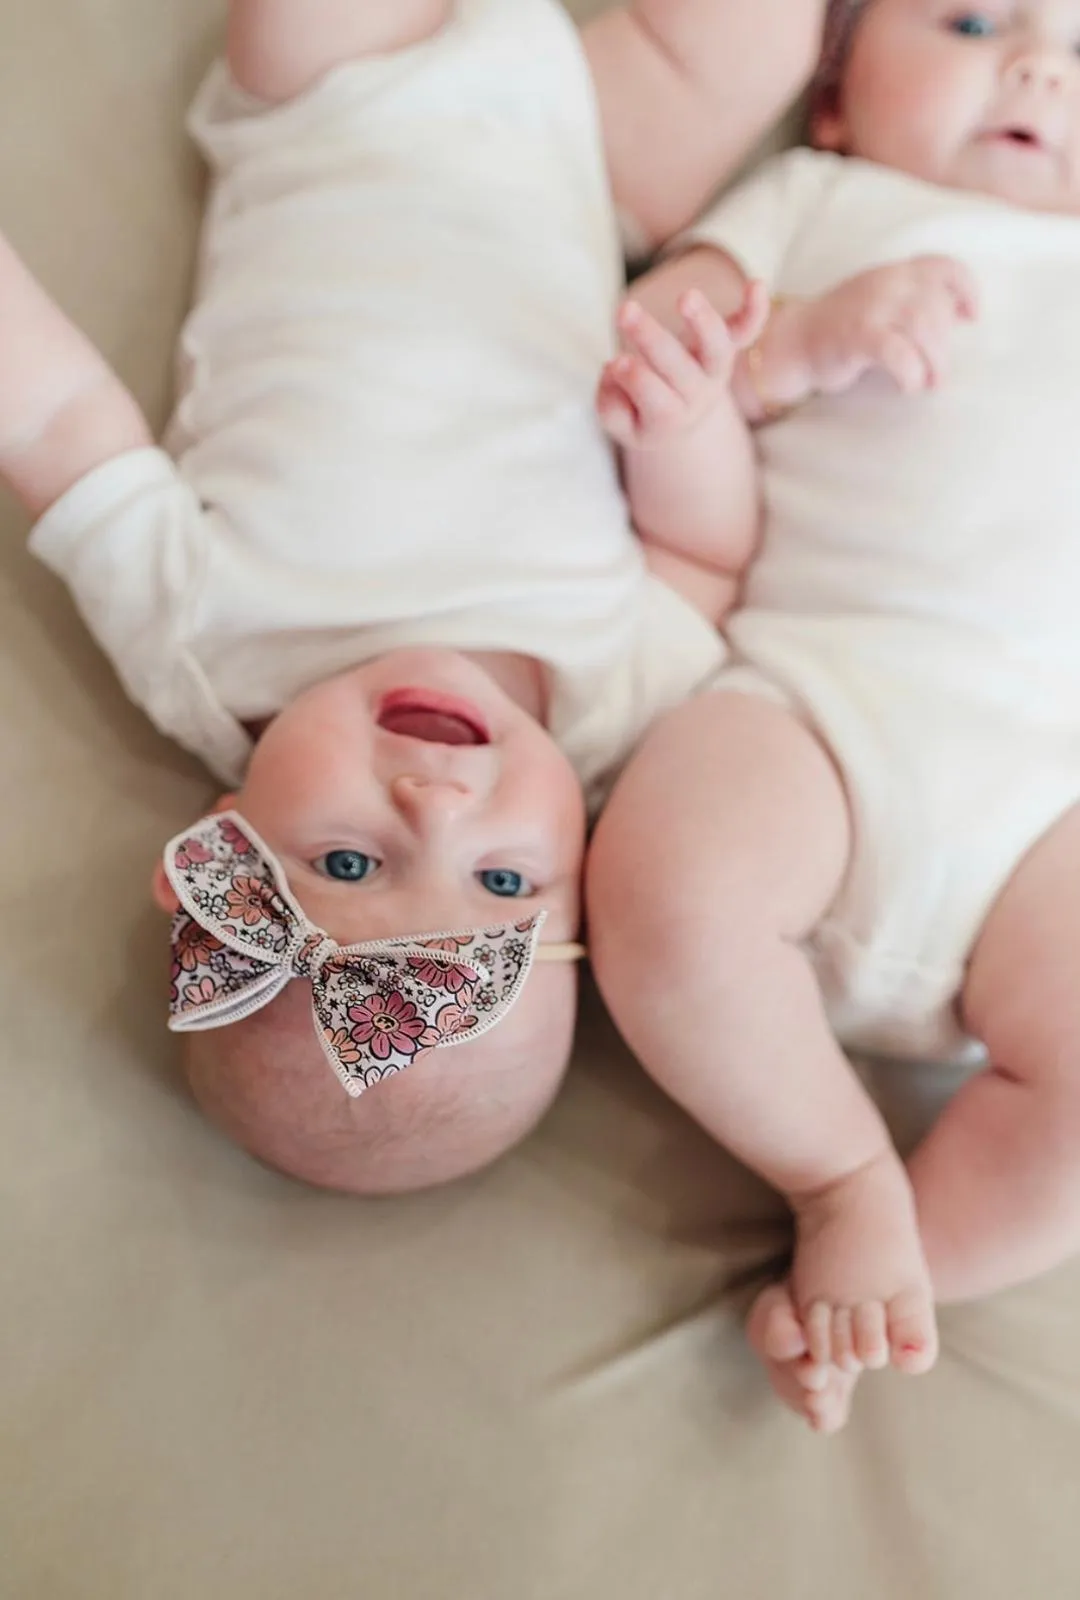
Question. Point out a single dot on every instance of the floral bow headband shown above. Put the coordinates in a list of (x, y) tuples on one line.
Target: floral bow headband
[(240, 938)]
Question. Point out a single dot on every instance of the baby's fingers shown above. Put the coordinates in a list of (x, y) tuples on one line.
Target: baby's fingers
[(748, 323), (959, 283), (708, 336), (966, 292), (660, 350), (932, 330), (615, 410), (654, 401), (899, 355)]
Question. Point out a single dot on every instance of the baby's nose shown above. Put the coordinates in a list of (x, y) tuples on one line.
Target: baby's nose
[(1039, 68), (429, 800)]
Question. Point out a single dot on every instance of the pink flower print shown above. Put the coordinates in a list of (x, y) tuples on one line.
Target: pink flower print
[(454, 1019), (234, 838), (245, 902), (387, 1024), (451, 943), (342, 1045), (192, 853), (437, 976), (201, 993), (193, 947)]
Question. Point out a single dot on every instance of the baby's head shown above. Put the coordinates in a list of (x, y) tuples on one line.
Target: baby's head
[(983, 97), (409, 796)]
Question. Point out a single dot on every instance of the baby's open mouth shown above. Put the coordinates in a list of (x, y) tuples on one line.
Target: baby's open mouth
[(432, 716), (1022, 137)]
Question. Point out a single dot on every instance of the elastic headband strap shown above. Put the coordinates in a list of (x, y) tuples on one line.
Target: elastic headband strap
[(561, 952)]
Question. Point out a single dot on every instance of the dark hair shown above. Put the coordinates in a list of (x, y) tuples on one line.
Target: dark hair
[(840, 21)]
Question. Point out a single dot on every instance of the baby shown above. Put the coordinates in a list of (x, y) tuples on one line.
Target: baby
[(383, 581), (875, 832)]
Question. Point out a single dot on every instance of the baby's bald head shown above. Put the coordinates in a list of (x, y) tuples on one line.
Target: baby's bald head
[(267, 1084)]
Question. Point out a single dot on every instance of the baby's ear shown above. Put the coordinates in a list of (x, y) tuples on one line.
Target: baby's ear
[(164, 894), (828, 125)]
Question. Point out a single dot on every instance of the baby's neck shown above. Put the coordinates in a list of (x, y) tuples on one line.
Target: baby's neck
[(520, 677)]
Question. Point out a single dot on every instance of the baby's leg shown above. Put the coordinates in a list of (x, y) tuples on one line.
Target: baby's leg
[(721, 849), (997, 1180), (686, 88), (279, 48)]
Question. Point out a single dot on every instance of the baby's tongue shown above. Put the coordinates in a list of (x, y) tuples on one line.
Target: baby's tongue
[(436, 727)]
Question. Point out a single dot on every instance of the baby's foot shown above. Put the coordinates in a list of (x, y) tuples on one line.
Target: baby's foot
[(820, 1395), (860, 1280)]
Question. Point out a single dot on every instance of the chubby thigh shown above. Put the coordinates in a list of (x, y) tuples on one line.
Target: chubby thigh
[(728, 831), (730, 796), (883, 845)]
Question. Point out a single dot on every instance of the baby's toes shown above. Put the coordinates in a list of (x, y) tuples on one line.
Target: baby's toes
[(871, 1335), (830, 1338), (843, 1341), (812, 1377), (828, 1410), (821, 1395), (818, 1324), (912, 1332), (781, 1336)]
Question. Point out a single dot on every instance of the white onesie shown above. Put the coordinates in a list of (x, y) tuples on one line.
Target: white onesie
[(386, 433), (916, 596)]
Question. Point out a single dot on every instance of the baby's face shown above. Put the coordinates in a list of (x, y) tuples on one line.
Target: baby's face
[(983, 97), (412, 795)]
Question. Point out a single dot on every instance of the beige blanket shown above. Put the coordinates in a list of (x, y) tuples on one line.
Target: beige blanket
[(215, 1385)]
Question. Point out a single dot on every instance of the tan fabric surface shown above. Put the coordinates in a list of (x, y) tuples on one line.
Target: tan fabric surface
[(217, 1386)]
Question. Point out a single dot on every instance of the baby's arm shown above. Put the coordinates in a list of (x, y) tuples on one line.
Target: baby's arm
[(682, 397), (668, 402), (279, 48), (898, 320), (686, 88), (63, 411)]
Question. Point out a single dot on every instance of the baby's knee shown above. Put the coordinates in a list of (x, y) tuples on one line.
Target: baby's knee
[(654, 932)]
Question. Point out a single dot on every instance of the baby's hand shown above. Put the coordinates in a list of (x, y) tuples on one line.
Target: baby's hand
[(662, 386), (898, 319)]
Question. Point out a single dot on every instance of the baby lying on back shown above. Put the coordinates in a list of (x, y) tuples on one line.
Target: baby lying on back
[(383, 581), (875, 833)]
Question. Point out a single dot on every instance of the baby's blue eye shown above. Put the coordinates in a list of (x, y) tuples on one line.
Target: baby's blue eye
[(973, 25), (347, 866), (508, 885)]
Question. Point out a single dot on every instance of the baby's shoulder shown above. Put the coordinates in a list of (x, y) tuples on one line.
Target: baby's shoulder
[(800, 172)]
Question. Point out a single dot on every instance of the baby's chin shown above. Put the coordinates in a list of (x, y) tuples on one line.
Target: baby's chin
[(1028, 181), (1050, 199)]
